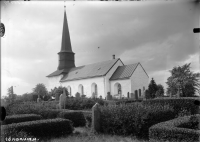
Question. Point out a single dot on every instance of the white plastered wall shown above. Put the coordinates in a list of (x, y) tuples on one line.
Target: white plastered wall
[(87, 85), (139, 79), (54, 82)]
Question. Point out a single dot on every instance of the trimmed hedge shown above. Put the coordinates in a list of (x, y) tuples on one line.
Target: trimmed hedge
[(76, 117), (178, 104), (29, 107), (170, 131), (133, 119), (41, 128), (82, 103), (21, 118), (49, 113)]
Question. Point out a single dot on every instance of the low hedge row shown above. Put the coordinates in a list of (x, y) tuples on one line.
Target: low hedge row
[(178, 104), (82, 103), (170, 131), (40, 128), (76, 117), (25, 108), (133, 119), (21, 118)]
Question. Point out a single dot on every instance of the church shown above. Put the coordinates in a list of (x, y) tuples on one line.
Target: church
[(98, 79)]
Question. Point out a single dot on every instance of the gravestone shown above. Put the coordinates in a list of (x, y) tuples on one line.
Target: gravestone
[(62, 99), (77, 95), (57, 97), (96, 118), (136, 96), (132, 95), (109, 97), (38, 99)]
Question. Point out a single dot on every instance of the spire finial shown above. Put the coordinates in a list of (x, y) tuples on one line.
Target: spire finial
[(64, 6)]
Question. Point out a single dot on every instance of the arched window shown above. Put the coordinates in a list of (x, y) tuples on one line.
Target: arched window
[(94, 90), (81, 89), (69, 90), (118, 90), (140, 92)]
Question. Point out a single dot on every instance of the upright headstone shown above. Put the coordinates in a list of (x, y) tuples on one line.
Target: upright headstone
[(62, 99), (109, 97), (57, 97), (96, 118), (136, 96), (38, 99), (77, 95), (132, 95)]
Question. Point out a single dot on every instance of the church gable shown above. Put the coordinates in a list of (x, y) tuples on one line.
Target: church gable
[(124, 72)]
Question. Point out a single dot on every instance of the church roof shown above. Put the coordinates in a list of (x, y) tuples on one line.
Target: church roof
[(58, 72), (89, 71), (123, 72)]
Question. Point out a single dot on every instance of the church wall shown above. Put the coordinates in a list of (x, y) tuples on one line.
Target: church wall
[(125, 86), (87, 85), (109, 74), (53, 82), (139, 79)]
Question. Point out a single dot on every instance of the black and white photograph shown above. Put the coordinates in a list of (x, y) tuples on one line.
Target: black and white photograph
[(100, 71)]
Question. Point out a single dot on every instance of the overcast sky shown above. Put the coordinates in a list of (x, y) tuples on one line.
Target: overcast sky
[(159, 35)]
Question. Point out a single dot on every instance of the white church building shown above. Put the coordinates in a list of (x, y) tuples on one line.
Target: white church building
[(97, 79)]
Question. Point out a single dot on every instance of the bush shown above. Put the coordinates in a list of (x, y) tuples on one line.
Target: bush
[(82, 103), (29, 107), (76, 117), (178, 104), (88, 117), (41, 128), (49, 113), (21, 118), (133, 119), (170, 131)]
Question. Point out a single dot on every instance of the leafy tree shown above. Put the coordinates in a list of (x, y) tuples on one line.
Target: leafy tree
[(184, 80), (11, 96), (160, 91), (56, 92), (40, 90), (152, 88)]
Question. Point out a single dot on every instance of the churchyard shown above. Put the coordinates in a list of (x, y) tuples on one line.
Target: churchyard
[(97, 120)]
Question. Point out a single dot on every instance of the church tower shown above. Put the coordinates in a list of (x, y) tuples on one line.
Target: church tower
[(66, 55)]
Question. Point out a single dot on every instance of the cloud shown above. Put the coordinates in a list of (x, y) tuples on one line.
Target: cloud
[(159, 35)]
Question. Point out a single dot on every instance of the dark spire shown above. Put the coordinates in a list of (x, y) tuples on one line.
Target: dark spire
[(66, 55), (66, 43)]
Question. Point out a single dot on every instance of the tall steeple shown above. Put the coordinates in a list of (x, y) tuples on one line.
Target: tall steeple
[(66, 55)]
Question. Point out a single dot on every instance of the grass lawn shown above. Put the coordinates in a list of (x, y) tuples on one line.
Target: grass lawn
[(82, 134)]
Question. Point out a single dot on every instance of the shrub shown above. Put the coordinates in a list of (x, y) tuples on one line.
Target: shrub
[(178, 104), (29, 107), (49, 113), (76, 117), (88, 117), (82, 103), (21, 118), (170, 131), (41, 128), (133, 119)]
